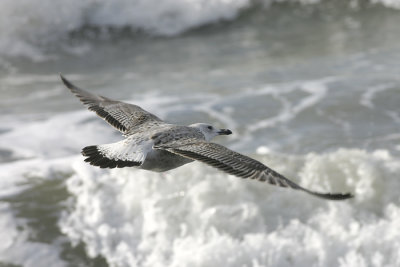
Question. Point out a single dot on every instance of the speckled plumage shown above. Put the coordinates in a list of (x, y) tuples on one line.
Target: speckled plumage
[(155, 145)]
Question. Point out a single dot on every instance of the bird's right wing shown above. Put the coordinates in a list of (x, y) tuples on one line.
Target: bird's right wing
[(122, 116), (239, 165)]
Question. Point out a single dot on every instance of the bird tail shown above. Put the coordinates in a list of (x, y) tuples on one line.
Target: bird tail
[(102, 157)]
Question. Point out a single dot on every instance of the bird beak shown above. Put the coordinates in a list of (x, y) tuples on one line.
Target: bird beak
[(224, 132)]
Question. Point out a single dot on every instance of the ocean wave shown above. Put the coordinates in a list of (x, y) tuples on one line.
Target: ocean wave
[(28, 26), (196, 216), (25, 25)]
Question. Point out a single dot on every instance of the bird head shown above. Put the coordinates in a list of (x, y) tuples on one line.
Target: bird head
[(210, 131)]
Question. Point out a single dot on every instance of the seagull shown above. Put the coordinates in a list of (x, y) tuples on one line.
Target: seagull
[(155, 145)]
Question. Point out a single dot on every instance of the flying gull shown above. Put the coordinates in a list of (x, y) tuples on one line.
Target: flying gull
[(154, 145)]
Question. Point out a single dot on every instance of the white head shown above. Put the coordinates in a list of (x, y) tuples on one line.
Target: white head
[(210, 131)]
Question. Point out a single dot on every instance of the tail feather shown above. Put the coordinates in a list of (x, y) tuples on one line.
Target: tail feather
[(96, 158)]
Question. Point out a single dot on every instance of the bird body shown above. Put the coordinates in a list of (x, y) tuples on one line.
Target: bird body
[(154, 145)]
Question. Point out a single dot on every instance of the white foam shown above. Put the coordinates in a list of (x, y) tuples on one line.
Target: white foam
[(368, 96), (388, 3), (196, 216), (36, 139)]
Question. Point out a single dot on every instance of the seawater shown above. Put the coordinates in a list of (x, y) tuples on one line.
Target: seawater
[(310, 88)]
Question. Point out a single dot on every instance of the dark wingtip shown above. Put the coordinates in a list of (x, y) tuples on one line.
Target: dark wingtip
[(66, 82), (339, 196), (343, 196)]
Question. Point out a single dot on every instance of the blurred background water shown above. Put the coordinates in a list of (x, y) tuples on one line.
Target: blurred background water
[(310, 88)]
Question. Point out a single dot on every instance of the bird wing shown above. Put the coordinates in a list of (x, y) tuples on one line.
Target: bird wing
[(239, 165), (122, 116)]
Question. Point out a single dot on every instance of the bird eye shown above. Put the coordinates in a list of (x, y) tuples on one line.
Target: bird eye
[(209, 127)]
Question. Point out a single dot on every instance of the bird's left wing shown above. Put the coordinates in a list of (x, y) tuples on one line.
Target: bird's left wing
[(124, 117), (237, 164)]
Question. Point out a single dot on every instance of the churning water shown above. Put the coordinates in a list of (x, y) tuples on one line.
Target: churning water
[(310, 88)]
